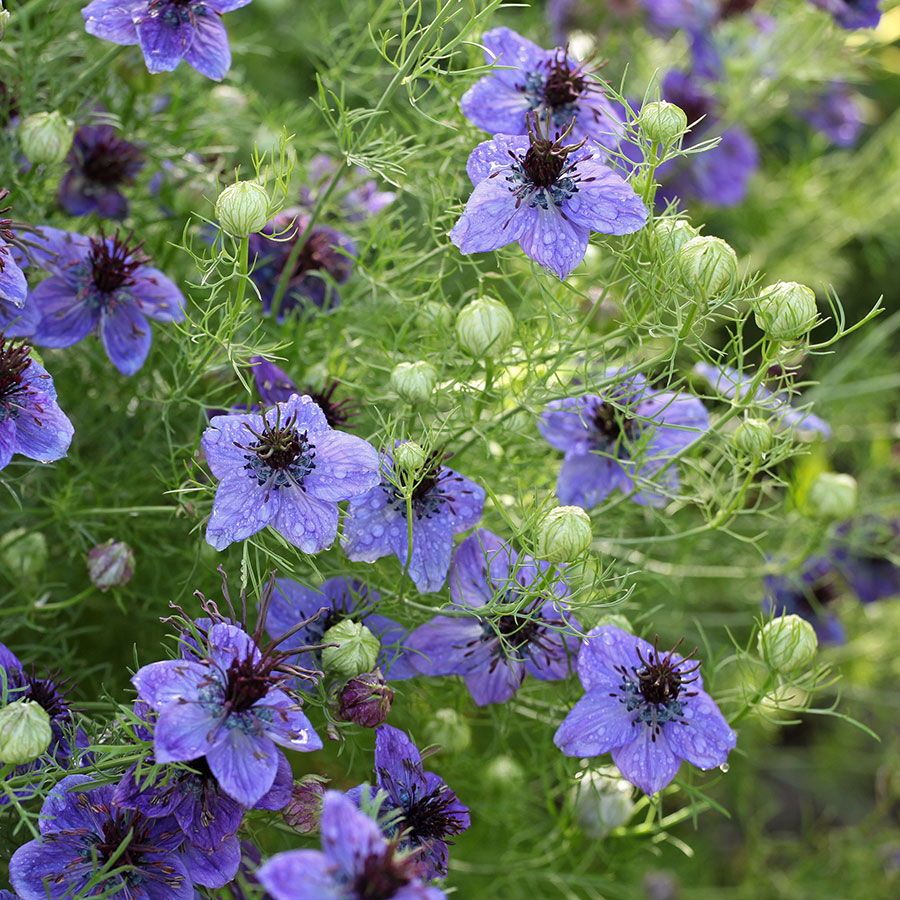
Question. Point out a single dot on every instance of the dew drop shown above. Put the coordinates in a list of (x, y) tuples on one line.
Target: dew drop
[(723, 767)]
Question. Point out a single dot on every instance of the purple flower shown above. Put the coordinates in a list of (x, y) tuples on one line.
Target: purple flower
[(168, 31), (99, 162), (286, 468), (31, 422), (530, 633), (355, 863), (733, 384), (426, 813), (337, 599), (547, 83), (808, 593), (442, 503), (102, 283), (547, 196), (835, 111), (13, 287), (622, 438), (78, 827), (852, 14), (230, 706), (866, 552), (649, 709), (304, 809), (359, 198)]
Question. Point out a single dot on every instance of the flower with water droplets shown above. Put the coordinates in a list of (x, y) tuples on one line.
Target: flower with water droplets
[(18, 316), (852, 14), (648, 708)]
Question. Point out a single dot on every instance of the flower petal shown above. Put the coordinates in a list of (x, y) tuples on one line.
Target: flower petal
[(703, 738), (587, 479), (170, 681), (596, 724), (490, 219), (163, 41), (306, 522), (241, 507), (647, 763), (64, 319), (209, 52), (300, 875), (346, 467), (604, 202), (556, 243), (126, 336), (244, 764)]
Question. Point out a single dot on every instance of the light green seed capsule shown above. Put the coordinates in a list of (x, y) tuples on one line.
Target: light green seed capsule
[(356, 649), (25, 732), (788, 644), (707, 264), (563, 534), (786, 311), (45, 137), (832, 495), (662, 122), (414, 381), (243, 208), (484, 327)]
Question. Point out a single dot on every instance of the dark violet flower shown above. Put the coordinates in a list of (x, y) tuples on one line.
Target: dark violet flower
[(835, 111), (232, 706), (337, 599), (867, 553), (287, 468), (168, 31), (106, 284), (442, 503), (852, 14), (621, 438), (549, 83), (304, 809), (732, 384), (546, 195), (31, 422), (356, 863), (527, 628), (649, 709), (78, 826), (426, 813), (324, 263), (359, 197), (808, 593), (99, 164), (13, 287)]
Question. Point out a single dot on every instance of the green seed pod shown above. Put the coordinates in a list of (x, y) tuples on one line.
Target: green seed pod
[(484, 327), (243, 208), (24, 554), (753, 438), (45, 138), (25, 732), (563, 534), (356, 649), (832, 495), (409, 457), (662, 122), (670, 235), (435, 316), (414, 381), (450, 730), (786, 311), (707, 264), (504, 773), (602, 800), (788, 644)]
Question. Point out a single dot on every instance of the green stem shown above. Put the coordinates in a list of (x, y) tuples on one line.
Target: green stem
[(89, 73), (243, 272)]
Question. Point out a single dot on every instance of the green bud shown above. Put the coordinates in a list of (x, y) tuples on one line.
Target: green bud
[(243, 208), (409, 457), (484, 327), (563, 534), (25, 732), (602, 800), (504, 772), (662, 122), (356, 651), (788, 644), (435, 315), (753, 438), (786, 311), (45, 138), (450, 730), (414, 381), (617, 620), (24, 554), (832, 495), (708, 264), (110, 564), (670, 235)]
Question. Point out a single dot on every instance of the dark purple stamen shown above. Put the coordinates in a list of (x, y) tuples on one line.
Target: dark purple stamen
[(113, 262)]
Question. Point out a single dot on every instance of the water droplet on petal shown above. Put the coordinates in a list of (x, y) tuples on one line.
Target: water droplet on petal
[(723, 767)]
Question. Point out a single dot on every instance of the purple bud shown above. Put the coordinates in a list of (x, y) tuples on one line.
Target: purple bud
[(365, 700), (110, 564), (305, 806)]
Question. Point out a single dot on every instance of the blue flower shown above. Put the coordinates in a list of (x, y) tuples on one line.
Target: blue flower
[(546, 195), (866, 552), (649, 709), (531, 633), (31, 422), (443, 503), (425, 812), (852, 14), (287, 468), (835, 111), (358, 197), (548, 83), (355, 863), (621, 438), (13, 287), (168, 31), (101, 283)]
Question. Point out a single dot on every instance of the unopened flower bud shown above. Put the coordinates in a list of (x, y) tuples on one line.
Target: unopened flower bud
[(414, 381), (832, 495), (505, 773), (304, 809), (436, 316), (409, 457), (24, 553), (25, 732), (602, 800), (708, 264), (4, 21), (45, 138), (243, 208), (753, 438), (786, 311), (365, 700), (450, 730), (484, 327), (670, 235), (356, 649), (788, 644), (563, 534), (110, 564), (662, 122)]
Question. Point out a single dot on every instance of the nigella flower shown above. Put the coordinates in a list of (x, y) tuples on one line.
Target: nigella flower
[(325, 262), (31, 422), (356, 863), (532, 634), (547, 195), (337, 599), (287, 468), (442, 503), (13, 287), (83, 831), (732, 384), (548, 83), (852, 14), (809, 593), (359, 197), (835, 112), (621, 438), (867, 553), (168, 31), (424, 812), (99, 164), (648, 708)]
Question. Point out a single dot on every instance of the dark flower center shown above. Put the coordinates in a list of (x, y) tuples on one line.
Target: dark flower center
[(564, 84), (113, 262), (5, 228), (659, 681), (610, 425), (45, 693), (432, 489), (431, 816), (14, 360), (337, 413), (110, 161), (247, 681), (280, 456), (132, 825), (517, 631), (383, 874), (543, 163)]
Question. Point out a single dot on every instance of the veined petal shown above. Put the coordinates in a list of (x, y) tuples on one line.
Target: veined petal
[(306, 522), (346, 467), (494, 155), (300, 875), (113, 20), (701, 735), (126, 336), (496, 107), (587, 479), (244, 764), (208, 51), (242, 507), (43, 430), (163, 42), (604, 201), (596, 724), (490, 219), (186, 731), (553, 241), (647, 763), (170, 681)]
